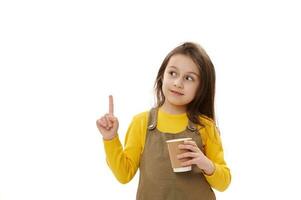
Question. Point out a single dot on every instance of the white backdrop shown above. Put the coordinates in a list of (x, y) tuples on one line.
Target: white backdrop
[(59, 61)]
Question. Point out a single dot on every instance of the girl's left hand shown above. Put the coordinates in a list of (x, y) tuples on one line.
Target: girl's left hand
[(197, 157)]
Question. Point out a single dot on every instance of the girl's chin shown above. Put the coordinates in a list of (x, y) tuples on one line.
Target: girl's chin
[(176, 103)]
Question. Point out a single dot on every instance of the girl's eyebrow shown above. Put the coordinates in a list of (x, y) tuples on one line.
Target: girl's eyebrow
[(187, 72)]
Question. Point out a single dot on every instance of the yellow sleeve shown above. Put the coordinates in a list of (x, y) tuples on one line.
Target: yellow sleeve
[(124, 163), (221, 177)]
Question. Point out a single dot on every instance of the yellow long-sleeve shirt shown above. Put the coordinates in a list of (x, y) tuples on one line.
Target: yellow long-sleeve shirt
[(124, 163)]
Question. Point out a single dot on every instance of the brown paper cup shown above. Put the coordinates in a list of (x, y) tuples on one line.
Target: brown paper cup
[(174, 151)]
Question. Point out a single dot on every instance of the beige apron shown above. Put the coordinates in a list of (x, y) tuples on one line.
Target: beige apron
[(157, 179)]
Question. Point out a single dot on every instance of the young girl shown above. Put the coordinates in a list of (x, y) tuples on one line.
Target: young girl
[(185, 88)]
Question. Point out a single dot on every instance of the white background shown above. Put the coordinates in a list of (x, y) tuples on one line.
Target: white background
[(59, 61)]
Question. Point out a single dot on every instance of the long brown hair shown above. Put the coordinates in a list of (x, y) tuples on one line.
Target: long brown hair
[(203, 103)]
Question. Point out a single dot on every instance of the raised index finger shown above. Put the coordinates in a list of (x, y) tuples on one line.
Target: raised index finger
[(111, 105)]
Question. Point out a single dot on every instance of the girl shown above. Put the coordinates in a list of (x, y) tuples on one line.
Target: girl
[(185, 88)]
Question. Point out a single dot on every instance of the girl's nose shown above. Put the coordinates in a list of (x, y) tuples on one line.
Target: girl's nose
[(178, 83)]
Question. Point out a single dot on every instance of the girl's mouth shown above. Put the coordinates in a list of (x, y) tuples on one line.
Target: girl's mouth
[(177, 93)]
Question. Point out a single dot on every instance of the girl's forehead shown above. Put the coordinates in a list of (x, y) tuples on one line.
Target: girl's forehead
[(183, 63)]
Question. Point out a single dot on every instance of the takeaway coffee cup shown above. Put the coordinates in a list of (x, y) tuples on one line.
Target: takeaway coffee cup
[(174, 150)]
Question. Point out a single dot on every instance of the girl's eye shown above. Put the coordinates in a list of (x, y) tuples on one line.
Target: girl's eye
[(189, 78), (172, 73)]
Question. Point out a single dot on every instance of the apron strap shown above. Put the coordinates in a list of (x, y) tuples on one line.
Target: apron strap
[(191, 126), (152, 119)]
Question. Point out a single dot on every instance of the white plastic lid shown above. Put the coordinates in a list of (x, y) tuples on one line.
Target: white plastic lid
[(179, 139)]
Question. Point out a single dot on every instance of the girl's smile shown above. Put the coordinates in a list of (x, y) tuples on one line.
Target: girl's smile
[(176, 93)]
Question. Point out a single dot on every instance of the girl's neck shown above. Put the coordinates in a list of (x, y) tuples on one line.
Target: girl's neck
[(171, 109)]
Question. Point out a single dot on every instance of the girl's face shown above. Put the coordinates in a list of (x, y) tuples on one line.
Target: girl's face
[(180, 82)]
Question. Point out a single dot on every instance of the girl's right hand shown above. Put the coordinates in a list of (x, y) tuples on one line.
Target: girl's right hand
[(108, 124)]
